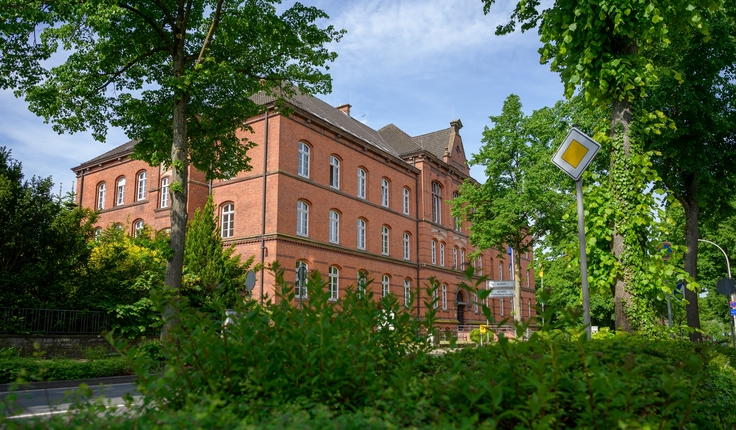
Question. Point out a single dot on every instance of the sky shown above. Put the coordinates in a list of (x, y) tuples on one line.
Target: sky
[(418, 64)]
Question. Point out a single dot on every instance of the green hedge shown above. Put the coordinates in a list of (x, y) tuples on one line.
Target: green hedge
[(31, 369)]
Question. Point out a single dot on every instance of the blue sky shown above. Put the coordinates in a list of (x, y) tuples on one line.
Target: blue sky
[(415, 63)]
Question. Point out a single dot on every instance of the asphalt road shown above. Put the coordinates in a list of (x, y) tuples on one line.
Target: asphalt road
[(46, 401)]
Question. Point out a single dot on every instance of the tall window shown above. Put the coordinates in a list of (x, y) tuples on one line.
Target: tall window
[(361, 233), (334, 277), (228, 220), (436, 203), (502, 299), (434, 252), (528, 308), (384, 240), (334, 227), (442, 254), (444, 296), (436, 299), (120, 192), (303, 168), (480, 264), (407, 246), (98, 233), (405, 196), (475, 302), (302, 218), (384, 192), (137, 228), (462, 259), (527, 278), (407, 292), (454, 257), (101, 192), (362, 280), (141, 194), (334, 172), (300, 287), (385, 285), (458, 223), (361, 183), (165, 192), (500, 270)]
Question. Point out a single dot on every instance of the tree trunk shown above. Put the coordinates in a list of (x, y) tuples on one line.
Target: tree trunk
[(620, 123), (692, 210)]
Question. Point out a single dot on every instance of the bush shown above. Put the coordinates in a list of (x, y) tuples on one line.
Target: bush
[(30, 369)]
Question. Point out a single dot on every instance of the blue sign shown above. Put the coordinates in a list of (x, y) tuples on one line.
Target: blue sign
[(733, 312), (679, 291)]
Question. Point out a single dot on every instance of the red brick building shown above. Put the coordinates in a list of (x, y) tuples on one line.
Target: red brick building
[(328, 192)]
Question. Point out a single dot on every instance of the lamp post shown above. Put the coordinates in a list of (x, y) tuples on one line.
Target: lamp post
[(733, 295)]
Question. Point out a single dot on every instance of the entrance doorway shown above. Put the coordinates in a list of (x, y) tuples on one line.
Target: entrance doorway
[(460, 308)]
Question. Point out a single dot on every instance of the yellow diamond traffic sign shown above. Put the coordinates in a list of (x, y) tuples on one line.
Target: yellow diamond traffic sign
[(575, 153)]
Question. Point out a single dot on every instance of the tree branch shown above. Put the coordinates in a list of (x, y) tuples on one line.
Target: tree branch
[(126, 67), (161, 33), (210, 33)]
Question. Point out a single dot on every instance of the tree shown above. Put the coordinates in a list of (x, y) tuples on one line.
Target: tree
[(175, 75), (43, 240), (600, 48), (698, 155), (519, 201)]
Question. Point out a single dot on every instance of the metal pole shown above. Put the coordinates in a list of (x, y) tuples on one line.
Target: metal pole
[(733, 296), (669, 309), (583, 257)]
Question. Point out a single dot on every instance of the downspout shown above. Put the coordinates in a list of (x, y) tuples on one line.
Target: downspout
[(416, 217), (263, 201)]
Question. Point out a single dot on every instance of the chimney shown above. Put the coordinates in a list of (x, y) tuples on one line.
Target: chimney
[(344, 109), (456, 125)]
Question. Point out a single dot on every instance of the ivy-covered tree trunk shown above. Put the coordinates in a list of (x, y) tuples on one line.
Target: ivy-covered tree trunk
[(692, 210)]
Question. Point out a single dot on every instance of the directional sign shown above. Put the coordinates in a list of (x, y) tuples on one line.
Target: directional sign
[(679, 291), (733, 312), (500, 284), (501, 288), (575, 153)]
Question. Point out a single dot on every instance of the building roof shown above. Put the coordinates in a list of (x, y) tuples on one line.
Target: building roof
[(124, 149), (402, 142), (435, 142)]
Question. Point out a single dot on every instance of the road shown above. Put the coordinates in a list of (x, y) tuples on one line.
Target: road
[(50, 401)]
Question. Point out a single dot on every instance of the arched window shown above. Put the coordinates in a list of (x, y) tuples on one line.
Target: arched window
[(228, 220), (458, 222), (407, 246), (101, 192), (361, 183), (442, 254), (141, 189), (454, 257), (462, 259), (385, 285), (120, 192), (405, 198), (334, 172), (385, 240), (300, 284), (303, 161), (361, 233), (407, 292), (362, 280), (444, 296), (137, 228), (384, 192), (334, 227), (98, 233), (334, 279), (434, 252), (165, 192), (302, 218), (500, 271), (436, 202)]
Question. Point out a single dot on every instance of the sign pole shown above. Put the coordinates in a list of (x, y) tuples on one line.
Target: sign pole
[(583, 257)]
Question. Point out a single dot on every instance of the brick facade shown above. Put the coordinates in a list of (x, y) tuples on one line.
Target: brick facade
[(427, 169)]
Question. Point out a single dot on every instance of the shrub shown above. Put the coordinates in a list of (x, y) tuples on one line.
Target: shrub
[(30, 369)]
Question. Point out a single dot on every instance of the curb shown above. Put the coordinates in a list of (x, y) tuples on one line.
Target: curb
[(46, 385)]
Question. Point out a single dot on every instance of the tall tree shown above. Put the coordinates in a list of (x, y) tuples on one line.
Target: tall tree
[(519, 201), (698, 155), (177, 75), (599, 48)]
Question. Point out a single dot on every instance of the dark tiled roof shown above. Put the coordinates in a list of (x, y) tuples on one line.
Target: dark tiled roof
[(400, 141), (124, 149), (435, 142), (322, 110)]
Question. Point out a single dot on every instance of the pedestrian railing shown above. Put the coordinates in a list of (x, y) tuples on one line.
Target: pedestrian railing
[(52, 321)]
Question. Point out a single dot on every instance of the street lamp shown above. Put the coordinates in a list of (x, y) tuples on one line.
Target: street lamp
[(733, 295)]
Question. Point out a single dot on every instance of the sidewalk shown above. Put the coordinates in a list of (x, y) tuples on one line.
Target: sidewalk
[(70, 384)]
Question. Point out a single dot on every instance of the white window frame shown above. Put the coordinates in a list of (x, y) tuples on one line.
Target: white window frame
[(406, 200), (436, 203), (407, 292), (444, 297), (138, 228), (334, 172), (362, 178), (302, 218), (442, 254), (454, 257), (98, 233), (384, 192), (120, 192), (480, 265), (141, 195), (475, 303), (361, 280), (300, 288), (334, 281), (462, 259), (502, 313), (101, 194), (361, 232), (165, 192), (528, 308), (303, 160), (434, 251), (227, 220), (407, 246), (500, 271), (334, 226), (385, 285), (436, 299), (385, 239)]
